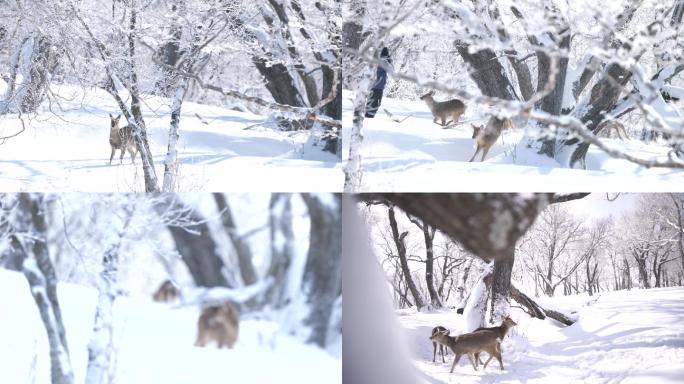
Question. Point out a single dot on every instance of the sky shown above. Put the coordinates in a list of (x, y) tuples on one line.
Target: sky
[(597, 205)]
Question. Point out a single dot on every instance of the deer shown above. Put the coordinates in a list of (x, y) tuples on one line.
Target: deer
[(486, 136), (500, 331), (219, 323), (443, 109), (121, 138), (167, 292), (436, 345), (613, 125), (471, 343)]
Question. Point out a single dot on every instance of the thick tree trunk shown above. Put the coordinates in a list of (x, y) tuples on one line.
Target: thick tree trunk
[(35, 59), (242, 248), (195, 245), (282, 248), (171, 161), (501, 289), (322, 280), (401, 251), (488, 225)]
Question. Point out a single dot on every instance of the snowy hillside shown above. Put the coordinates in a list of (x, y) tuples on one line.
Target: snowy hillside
[(403, 150), (632, 336), (154, 342), (65, 148)]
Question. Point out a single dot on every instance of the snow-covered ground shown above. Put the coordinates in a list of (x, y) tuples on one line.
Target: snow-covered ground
[(68, 150), (154, 342), (632, 336), (418, 155)]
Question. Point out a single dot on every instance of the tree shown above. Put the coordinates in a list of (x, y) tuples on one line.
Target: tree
[(30, 232), (429, 237), (401, 251), (574, 93)]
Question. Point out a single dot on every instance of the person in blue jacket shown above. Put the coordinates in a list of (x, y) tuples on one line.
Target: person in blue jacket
[(375, 97)]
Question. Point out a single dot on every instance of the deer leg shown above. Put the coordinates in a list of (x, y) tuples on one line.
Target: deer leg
[(434, 351), (112, 155), (132, 152), (497, 354), (472, 361), (475, 154), (123, 152), (484, 153), (443, 349), (456, 359), (456, 117)]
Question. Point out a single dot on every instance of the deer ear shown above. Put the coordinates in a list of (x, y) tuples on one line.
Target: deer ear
[(110, 116), (118, 117)]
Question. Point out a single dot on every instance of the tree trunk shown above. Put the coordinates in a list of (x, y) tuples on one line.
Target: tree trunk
[(401, 250), (35, 59), (195, 245), (282, 248), (241, 246), (31, 233), (429, 235), (101, 348), (171, 161), (501, 289), (322, 280)]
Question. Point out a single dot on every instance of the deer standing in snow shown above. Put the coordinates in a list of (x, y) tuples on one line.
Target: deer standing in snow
[(219, 323), (435, 344), (488, 135), (167, 292), (500, 331), (121, 138), (443, 109), (470, 344)]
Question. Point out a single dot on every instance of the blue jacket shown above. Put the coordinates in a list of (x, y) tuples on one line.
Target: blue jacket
[(380, 78)]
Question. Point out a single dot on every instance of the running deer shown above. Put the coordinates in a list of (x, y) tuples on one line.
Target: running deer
[(435, 344), (471, 343), (443, 109), (219, 323), (486, 136), (500, 331), (167, 292), (612, 125), (121, 138)]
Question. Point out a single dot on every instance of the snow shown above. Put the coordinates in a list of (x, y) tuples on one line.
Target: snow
[(625, 337), (417, 155), (68, 150), (154, 343)]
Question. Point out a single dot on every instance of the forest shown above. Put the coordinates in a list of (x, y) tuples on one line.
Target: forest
[(103, 282), (193, 83), (586, 86)]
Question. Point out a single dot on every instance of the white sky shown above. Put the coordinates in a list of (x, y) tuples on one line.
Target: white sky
[(597, 205)]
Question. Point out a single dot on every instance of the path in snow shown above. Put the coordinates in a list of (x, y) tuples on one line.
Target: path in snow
[(625, 337)]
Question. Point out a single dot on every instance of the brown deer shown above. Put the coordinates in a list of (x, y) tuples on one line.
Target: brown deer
[(167, 292), (443, 109), (488, 135), (121, 138), (219, 323), (471, 343), (500, 331), (612, 125), (435, 344)]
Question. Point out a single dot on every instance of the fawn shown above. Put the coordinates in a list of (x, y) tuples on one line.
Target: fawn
[(500, 331), (487, 136), (442, 347), (167, 292), (121, 138), (612, 125), (443, 109), (471, 343), (219, 323)]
